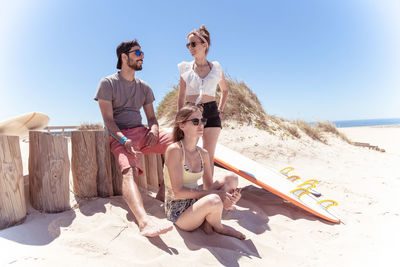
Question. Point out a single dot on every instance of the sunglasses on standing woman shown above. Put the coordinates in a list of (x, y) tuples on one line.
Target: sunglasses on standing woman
[(192, 44)]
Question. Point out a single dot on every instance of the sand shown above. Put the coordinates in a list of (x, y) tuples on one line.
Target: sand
[(365, 183)]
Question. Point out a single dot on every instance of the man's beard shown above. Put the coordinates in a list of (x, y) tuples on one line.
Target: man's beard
[(135, 65)]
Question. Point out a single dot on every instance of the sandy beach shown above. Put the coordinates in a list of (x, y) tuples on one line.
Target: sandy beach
[(365, 183)]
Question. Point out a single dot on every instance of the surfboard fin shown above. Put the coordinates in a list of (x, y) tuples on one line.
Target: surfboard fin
[(286, 170), (327, 203), (309, 183), (298, 192), (293, 178)]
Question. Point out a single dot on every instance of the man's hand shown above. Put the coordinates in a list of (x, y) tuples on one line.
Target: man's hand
[(129, 147), (152, 138)]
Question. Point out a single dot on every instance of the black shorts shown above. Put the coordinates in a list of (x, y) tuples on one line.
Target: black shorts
[(210, 111)]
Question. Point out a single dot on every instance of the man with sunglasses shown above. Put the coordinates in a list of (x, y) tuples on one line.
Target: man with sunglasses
[(121, 96)]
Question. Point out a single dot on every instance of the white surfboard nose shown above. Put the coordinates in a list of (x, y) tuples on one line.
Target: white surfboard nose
[(21, 125)]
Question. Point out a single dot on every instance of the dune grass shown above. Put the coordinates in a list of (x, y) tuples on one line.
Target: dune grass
[(312, 131), (329, 127), (244, 107), (292, 129), (90, 126)]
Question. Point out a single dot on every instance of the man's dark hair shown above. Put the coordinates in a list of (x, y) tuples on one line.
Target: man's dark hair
[(124, 47)]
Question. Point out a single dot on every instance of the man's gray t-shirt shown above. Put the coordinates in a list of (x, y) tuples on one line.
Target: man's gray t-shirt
[(127, 99)]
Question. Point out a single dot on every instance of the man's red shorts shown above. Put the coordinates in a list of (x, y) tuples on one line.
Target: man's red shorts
[(138, 136)]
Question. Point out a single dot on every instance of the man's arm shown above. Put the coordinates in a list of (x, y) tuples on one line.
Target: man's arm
[(152, 136), (108, 118)]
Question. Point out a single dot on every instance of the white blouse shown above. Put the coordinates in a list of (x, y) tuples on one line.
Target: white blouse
[(196, 85)]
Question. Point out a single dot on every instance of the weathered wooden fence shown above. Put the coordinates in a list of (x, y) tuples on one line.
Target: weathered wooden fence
[(95, 172)]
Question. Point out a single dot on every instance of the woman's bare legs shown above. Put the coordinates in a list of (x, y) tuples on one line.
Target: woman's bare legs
[(210, 138), (228, 183), (209, 209)]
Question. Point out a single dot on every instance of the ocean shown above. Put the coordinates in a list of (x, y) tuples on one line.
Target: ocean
[(371, 122)]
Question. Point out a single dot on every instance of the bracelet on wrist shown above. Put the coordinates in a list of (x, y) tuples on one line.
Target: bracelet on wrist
[(123, 140)]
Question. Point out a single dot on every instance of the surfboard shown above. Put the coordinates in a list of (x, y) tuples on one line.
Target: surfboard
[(309, 184), (280, 183), (21, 125), (276, 182)]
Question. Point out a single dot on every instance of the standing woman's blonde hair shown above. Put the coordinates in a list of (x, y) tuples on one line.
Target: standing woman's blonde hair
[(183, 114)]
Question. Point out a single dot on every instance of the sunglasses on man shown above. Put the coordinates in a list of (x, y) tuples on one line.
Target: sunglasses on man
[(196, 121), (191, 44), (137, 52)]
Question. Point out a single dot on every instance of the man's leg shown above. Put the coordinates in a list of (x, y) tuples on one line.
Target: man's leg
[(148, 226)]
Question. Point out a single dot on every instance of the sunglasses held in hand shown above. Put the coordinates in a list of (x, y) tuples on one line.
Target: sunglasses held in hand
[(196, 121)]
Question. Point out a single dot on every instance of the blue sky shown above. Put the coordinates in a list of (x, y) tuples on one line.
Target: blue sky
[(310, 59)]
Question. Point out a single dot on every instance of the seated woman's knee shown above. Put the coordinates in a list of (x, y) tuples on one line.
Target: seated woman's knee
[(213, 200), (231, 182)]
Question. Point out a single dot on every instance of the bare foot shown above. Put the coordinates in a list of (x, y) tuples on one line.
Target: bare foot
[(153, 227), (227, 230), (207, 228)]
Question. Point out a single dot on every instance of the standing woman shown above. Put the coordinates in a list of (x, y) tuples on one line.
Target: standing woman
[(198, 83)]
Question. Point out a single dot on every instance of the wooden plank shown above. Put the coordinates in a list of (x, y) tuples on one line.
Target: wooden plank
[(12, 196), (49, 169), (104, 175), (160, 171), (151, 168), (142, 179), (84, 163), (116, 176)]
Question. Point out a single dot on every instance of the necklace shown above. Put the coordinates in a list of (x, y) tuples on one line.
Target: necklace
[(202, 66), (201, 71)]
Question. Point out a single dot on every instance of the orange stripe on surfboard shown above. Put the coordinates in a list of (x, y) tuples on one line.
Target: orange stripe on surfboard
[(272, 190)]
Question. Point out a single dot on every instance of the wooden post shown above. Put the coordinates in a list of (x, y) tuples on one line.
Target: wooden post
[(116, 176), (48, 172), (91, 164), (152, 170), (160, 171), (12, 197), (142, 179), (84, 163), (104, 175)]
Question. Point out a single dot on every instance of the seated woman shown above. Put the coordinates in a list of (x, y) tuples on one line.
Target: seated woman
[(186, 204)]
